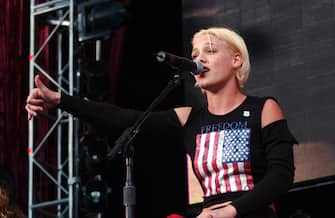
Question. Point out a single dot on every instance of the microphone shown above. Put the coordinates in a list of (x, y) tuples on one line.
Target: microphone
[(180, 63)]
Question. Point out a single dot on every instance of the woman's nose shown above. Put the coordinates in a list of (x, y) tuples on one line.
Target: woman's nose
[(201, 58)]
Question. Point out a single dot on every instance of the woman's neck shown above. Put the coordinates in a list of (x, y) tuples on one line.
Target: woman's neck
[(224, 101)]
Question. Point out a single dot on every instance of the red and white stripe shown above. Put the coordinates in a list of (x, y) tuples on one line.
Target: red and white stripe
[(218, 177)]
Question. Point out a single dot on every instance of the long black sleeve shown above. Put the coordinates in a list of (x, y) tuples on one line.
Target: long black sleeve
[(104, 115), (280, 169)]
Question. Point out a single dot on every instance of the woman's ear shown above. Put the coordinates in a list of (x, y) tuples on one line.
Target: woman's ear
[(237, 60)]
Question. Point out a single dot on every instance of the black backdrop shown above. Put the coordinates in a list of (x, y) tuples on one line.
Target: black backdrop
[(159, 162)]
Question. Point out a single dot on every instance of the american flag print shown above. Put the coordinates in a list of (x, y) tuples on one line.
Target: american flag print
[(222, 161)]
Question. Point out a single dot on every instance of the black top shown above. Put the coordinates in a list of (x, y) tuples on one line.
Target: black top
[(235, 159)]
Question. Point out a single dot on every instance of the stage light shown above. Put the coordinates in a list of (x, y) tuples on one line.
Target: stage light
[(96, 19), (95, 188), (99, 18), (95, 81), (95, 195)]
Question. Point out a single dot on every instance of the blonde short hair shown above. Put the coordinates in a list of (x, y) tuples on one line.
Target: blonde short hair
[(236, 42)]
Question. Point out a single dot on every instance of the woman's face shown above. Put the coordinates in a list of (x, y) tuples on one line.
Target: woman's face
[(219, 60)]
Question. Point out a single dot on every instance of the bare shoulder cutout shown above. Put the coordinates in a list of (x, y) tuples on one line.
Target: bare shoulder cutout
[(183, 113)]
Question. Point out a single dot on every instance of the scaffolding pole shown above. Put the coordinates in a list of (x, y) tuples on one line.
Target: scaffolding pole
[(61, 177)]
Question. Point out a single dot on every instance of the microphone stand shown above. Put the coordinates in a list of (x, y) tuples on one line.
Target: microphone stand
[(124, 144)]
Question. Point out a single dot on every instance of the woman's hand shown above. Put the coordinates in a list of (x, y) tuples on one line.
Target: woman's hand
[(41, 98), (224, 210)]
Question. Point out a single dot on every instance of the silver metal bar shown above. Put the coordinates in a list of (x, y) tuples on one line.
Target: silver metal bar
[(46, 136), (49, 176), (70, 124), (53, 32), (50, 6), (50, 78), (60, 127), (31, 124), (66, 19), (50, 203)]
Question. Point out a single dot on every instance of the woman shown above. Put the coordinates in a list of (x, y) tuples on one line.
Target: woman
[(240, 145)]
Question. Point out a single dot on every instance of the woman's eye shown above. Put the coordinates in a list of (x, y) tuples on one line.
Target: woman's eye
[(211, 51)]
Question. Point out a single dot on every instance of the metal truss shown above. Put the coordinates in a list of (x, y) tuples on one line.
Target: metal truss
[(53, 172)]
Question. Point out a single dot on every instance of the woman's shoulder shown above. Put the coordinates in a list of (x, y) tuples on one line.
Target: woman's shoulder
[(185, 114), (267, 107), (266, 103), (261, 99)]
